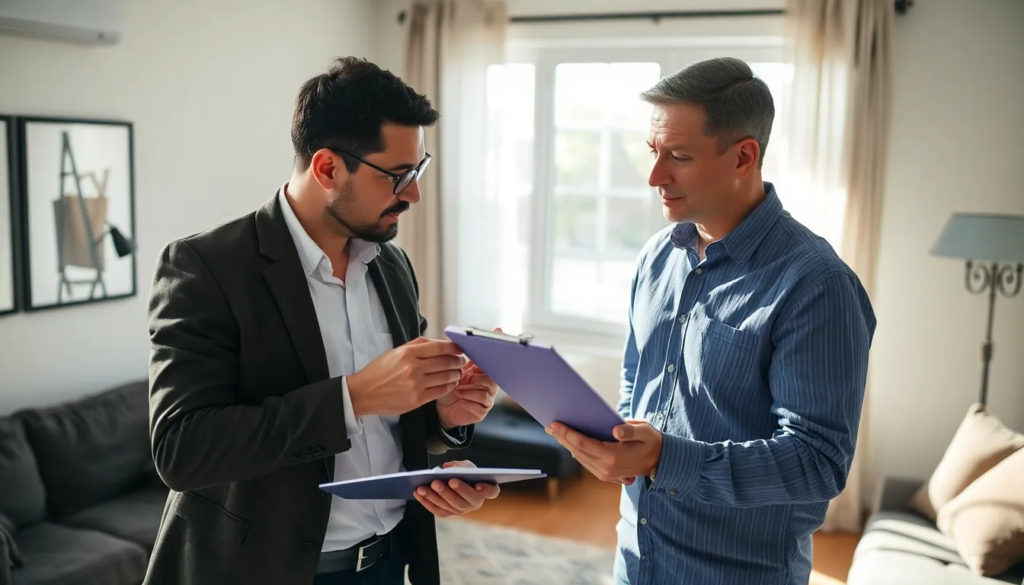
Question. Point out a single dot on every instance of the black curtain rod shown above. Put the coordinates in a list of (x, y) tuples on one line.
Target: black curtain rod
[(655, 16), (901, 7)]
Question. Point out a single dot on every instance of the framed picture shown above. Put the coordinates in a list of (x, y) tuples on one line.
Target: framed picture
[(78, 211), (10, 285)]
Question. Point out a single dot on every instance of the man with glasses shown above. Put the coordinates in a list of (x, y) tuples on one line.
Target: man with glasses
[(287, 352)]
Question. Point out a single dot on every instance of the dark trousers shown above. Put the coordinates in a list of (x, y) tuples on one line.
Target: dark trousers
[(387, 571)]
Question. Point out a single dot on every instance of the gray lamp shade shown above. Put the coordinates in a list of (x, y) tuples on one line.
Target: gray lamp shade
[(989, 238)]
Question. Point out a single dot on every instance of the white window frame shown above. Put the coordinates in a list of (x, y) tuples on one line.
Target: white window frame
[(538, 317)]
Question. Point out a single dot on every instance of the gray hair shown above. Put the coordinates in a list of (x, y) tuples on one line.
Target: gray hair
[(737, 105)]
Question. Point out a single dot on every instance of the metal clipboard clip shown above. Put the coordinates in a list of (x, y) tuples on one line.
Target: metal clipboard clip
[(522, 339)]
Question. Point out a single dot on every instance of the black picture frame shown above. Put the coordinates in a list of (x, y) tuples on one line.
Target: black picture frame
[(12, 223), (71, 207)]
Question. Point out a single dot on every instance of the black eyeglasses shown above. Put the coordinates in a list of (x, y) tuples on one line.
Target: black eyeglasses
[(400, 180)]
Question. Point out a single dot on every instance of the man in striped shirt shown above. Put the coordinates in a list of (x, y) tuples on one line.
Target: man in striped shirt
[(746, 360)]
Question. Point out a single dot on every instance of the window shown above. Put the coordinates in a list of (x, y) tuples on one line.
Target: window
[(599, 207), (569, 149)]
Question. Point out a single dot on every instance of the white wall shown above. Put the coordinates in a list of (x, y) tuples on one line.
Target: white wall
[(209, 87), (955, 147)]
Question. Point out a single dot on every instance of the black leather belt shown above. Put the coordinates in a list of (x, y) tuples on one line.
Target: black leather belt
[(359, 557)]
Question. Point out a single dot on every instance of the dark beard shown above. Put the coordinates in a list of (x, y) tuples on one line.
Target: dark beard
[(342, 206)]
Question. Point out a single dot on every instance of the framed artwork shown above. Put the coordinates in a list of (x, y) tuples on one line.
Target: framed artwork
[(78, 211), (10, 285)]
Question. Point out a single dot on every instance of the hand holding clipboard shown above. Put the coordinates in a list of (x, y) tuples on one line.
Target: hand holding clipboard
[(536, 377), (539, 379)]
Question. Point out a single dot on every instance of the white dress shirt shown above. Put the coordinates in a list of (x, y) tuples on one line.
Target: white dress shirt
[(355, 332)]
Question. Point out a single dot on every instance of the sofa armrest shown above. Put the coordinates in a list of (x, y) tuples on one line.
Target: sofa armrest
[(895, 492)]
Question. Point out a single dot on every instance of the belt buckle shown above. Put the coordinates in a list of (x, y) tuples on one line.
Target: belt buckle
[(362, 556)]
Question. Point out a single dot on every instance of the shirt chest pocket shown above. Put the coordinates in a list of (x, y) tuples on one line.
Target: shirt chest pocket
[(719, 357)]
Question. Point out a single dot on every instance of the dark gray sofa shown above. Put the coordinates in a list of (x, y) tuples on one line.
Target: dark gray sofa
[(80, 500), (901, 547)]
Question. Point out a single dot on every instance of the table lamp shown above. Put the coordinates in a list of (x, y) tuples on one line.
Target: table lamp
[(993, 246)]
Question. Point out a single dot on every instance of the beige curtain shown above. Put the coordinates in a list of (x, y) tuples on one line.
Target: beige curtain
[(870, 124), (449, 236), (841, 115)]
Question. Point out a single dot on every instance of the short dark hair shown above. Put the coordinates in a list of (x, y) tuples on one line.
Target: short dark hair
[(736, 104), (345, 108)]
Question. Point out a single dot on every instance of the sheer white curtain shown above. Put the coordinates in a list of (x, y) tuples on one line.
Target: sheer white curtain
[(453, 235), (839, 131), (812, 176)]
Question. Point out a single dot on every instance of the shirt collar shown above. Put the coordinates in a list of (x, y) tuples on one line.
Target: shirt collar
[(743, 240), (310, 254)]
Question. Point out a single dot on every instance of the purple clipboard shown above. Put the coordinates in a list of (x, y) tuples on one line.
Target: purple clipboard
[(536, 377), (400, 486)]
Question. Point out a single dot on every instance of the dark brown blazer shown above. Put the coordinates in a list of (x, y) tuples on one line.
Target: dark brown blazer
[(244, 418)]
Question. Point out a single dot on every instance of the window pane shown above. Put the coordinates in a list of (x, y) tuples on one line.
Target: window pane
[(573, 285), (578, 87), (591, 289), (628, 224), (575, 222), (630, 159), (576, 158), (592, 94), (601, 159), (624, 108), (779, 79), (613, 299)]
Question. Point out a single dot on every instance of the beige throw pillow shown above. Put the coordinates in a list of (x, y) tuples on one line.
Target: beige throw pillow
[(986, 521), (980, 443)]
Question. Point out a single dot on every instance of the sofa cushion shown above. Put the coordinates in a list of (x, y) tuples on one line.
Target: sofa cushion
[(22, 496), (903, 548), (135, 517), (885, 567), (986, 521), (93, 449), (72, 556), (979, 444), (909, 533), (10, 555), (7, 524)]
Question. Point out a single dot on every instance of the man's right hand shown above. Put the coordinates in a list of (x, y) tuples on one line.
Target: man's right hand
[(406, 378)]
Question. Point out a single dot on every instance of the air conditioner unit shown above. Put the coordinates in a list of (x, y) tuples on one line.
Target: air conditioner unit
[(80, 21)]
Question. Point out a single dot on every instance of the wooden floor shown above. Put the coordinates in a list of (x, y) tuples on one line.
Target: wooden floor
[(587, 510)]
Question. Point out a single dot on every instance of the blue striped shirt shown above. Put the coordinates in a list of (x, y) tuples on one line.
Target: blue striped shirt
[(752, 363)]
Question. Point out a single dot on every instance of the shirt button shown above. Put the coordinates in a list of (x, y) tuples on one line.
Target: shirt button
[(671, 492), (671, 368), (699, 271), (682, 318), (643, 521)]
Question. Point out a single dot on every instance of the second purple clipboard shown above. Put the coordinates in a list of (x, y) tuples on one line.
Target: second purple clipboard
[(536, 377)]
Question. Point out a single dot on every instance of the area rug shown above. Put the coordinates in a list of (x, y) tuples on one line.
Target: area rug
[(474, 553)]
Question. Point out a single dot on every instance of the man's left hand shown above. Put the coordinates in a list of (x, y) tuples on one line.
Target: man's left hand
[(636, 453), (470, 401), (455, 497)]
